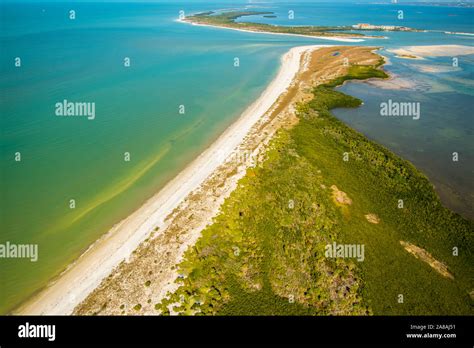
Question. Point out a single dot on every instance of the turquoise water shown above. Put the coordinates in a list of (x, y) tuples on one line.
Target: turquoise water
[(172, 64)]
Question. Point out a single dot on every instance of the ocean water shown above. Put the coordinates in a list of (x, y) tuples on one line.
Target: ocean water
[(137, 110)]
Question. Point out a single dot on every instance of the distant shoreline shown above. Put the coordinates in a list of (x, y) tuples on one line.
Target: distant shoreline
[(333, 38)]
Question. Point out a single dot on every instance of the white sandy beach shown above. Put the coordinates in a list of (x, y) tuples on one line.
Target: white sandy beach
[(82, 277), (333, 38)]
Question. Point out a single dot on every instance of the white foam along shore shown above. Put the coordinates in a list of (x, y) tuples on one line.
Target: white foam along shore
[(333, 38), (83, 276)]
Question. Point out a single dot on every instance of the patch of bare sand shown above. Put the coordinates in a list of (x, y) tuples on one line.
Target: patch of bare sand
[(425, 256), (417, 52), (372, 218), (340, 197)]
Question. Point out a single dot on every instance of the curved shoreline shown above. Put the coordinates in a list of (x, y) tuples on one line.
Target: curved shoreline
[(88, 271)]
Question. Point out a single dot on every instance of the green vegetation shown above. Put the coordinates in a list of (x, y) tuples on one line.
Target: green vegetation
[(227, 19), (137, 307), (264, 253), (358, 72)]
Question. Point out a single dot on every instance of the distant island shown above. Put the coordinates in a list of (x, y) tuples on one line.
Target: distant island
[(228, 20)]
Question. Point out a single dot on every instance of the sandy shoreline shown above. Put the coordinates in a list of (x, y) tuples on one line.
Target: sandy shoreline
[(333, 38), (86, 274)]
